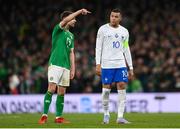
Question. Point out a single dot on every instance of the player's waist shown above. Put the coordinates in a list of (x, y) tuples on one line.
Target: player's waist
[(113, 56), (113, 59), (57, 66), (118, 63)]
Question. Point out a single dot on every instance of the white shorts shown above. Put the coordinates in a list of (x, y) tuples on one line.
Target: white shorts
[(58, 75)]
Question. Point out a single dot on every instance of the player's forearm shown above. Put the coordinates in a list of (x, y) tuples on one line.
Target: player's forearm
[(128, 57), (70, 17)]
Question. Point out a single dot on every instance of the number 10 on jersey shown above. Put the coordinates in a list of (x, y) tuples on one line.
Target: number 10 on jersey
[(116, 44)]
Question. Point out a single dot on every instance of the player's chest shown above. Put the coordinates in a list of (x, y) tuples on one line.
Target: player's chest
[(114, 36), (114, 40)]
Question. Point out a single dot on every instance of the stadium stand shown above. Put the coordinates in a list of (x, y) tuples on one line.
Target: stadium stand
[(25, 43)]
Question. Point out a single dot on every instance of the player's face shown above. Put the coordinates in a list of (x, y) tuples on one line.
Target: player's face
[(115, 18), (72, 23)]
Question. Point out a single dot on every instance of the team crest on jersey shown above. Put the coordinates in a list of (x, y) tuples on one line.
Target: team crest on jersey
[(116, 35)]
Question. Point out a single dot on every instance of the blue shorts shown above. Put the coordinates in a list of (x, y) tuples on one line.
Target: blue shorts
[(109, 76)]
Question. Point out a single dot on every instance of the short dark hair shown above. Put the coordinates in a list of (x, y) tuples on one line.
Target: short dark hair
[(116, 10), (65, 14)]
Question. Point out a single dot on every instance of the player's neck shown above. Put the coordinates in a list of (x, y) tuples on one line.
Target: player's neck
[(114, 26)]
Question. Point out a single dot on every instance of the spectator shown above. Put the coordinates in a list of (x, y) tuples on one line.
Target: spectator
[(25, 42)]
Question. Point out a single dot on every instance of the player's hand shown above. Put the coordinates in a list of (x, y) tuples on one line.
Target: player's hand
[(85, 11), (72, 73), (98, 70), (130, 75)]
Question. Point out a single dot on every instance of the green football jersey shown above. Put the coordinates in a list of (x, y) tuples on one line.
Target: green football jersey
[(62, 42)]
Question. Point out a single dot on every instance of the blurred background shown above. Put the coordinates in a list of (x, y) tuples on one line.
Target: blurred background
[(25, 43)]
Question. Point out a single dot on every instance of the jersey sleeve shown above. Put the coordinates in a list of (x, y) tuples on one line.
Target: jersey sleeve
[(99, 43), (59, 25), (56, 29), (127, 52)]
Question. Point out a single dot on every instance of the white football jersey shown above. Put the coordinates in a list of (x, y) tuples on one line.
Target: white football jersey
[(112, 47)]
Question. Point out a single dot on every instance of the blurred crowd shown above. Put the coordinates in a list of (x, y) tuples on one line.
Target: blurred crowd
[(25, 43)]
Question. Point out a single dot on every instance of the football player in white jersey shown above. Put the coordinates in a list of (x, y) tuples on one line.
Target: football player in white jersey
[(113, 61)]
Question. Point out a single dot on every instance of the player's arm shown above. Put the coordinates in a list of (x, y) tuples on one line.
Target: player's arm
[(99, 42), (72, 61), (67, 19), (127, 54)]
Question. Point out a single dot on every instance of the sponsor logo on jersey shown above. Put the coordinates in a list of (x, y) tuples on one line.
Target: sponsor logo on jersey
[(71, 36), (68, 42)]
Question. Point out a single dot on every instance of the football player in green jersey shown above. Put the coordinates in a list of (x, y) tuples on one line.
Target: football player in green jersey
[(61, 63)]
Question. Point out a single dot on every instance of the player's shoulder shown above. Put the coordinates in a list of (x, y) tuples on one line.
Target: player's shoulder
[(56, 27), (103, 27), (123, 29)]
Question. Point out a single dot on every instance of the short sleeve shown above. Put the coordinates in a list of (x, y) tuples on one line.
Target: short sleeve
[(59, 26)]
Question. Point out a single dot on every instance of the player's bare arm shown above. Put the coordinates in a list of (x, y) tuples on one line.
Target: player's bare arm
[(98, 69), (72, 59), (131, 74), (72, 16), (129, 62)]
